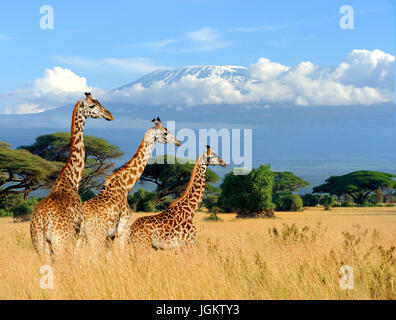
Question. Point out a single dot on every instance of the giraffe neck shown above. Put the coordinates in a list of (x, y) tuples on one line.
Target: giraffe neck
[(72, 172), (130, 173), (192, 196)]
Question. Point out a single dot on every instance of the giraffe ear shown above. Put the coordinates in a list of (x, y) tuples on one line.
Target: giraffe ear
[(155, 123), (159, 122)]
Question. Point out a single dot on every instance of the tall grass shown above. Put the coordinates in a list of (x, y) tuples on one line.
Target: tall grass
[(295, 256)]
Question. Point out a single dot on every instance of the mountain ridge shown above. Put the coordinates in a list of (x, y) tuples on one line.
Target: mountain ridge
[(233, 73)]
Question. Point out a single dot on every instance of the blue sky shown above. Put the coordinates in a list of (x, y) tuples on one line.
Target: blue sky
[(337, 85), (111, 43)]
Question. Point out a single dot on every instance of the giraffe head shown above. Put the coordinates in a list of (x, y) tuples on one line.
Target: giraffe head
[(92, 108), (161, 134), (212, 159)]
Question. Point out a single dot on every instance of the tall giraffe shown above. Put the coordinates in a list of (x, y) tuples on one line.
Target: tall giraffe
[(174, 228), (108, 214), (57, 219)]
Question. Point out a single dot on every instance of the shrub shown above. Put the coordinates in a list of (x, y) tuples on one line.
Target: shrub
[(23, 210), (213, 214), (142, 200), (327, 201), (164, 204), (10, 201), (210, 201), (287, 201), (5, 213), (347, 204), (248, 195), (310, 200), (148, 206), (86, 194)]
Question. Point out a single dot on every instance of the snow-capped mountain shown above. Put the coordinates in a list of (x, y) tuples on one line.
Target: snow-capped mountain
[(234, 74)]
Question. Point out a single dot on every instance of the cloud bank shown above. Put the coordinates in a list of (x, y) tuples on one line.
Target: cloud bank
[(57, 87), (362, 78)]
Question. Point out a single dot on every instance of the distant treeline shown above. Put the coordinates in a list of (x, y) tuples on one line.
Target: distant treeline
[(259, 193)]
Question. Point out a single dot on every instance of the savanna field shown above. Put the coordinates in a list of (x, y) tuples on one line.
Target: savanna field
[(296, 255)]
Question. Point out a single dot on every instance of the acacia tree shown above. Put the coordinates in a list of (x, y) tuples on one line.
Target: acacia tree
[(98, 156), (172, 179), (23, 172), (359, 184), (288, 181)]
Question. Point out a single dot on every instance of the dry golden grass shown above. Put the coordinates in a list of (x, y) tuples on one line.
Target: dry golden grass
[(232, 259)]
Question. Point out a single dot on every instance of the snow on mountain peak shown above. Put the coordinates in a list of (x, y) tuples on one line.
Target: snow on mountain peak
[(235, 74)]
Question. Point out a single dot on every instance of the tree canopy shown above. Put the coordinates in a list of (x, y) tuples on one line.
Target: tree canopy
[(98, 153), (172, 179), (23, 172), (288, 181), (248, 195), (358, 184)]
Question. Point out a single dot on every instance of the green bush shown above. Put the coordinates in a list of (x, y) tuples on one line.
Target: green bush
[(287, 201), (210, 201), (213, 214), (163, 204), (310, 200), (5, 213), (248, 195), (327, 201), (142, 201), (10, 201), (347, 204), (86, 194), (24, 209)]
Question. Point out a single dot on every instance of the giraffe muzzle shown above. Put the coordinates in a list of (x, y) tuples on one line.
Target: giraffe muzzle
[(109, 116)]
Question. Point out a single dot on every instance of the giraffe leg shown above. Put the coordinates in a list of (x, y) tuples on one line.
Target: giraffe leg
[(39, 232), (37, 235), (95, 238), (124, 227), (189, 239), (61, 241)]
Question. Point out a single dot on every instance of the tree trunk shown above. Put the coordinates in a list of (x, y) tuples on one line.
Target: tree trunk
[(26, 194)]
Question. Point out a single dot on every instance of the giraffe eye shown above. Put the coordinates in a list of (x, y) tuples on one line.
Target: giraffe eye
[(92, 106)]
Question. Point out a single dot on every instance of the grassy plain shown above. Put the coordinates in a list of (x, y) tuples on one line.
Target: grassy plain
[(293, 256)]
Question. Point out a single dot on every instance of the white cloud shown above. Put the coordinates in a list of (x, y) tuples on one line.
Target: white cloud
[(57, 87), (206, 39), (366, 68), (362, 78), (59, 79), (204, 35), (264, 69), (203, 39), (25, 108)]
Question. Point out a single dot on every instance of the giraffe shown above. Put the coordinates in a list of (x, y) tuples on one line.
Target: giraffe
[(57, 219), (174, 228), (108, 215)]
